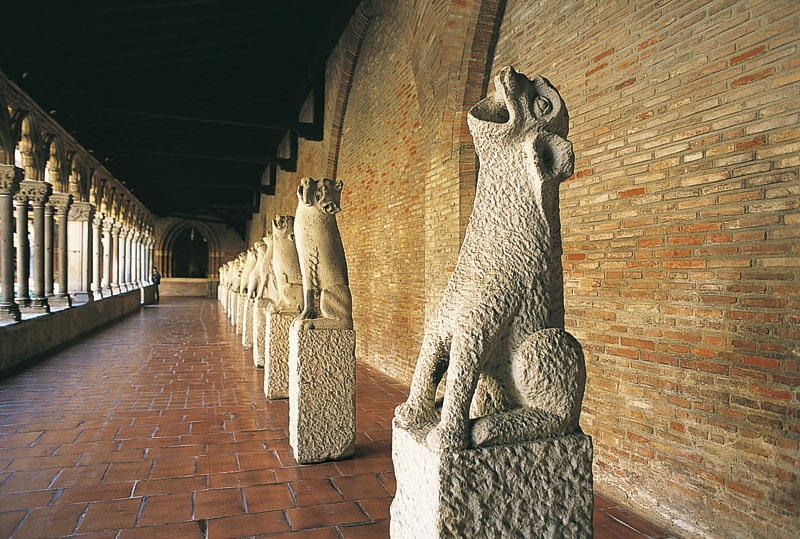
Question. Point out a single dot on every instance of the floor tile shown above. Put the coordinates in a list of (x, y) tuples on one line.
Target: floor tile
[(156, 425)]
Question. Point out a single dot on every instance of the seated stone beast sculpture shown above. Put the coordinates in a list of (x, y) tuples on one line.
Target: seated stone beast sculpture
[(264, 269), (328, 303), (498, 331), (286, 265), (253, 281)]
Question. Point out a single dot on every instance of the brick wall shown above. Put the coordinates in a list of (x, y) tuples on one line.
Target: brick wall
[(680, 224), (681, 247)]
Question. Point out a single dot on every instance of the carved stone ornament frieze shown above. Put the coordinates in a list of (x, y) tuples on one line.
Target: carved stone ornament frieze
[(81, 211), (10, 178)]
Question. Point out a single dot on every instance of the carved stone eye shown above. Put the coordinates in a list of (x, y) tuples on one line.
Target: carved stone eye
[(541, 106)]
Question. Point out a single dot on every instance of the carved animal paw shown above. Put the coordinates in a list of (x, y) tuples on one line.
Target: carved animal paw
[(409, 414), (443, 438)]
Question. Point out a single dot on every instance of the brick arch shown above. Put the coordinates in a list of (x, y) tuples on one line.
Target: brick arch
[(164, 245), (352, 46)]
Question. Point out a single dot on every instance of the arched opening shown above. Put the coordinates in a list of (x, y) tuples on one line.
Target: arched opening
[(190, 254)]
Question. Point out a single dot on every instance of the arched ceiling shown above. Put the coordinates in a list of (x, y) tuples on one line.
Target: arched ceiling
[(185, 101)]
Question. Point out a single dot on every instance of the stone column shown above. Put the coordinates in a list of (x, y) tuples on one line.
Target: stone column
[(137, 258), (128, 234), (81, 250), (10, 177), (108, 225), (115, 258), (39, 191), (23, 248), (97, 257), (49, 229), (60, 204)]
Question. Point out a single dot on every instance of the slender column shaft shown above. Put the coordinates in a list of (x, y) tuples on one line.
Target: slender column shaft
[(23, 249), (49, 228), (97, 255), (63, 294), (56, 214), (108, 224), (39, 299), (128, 259), (10, 176), (115, 258)]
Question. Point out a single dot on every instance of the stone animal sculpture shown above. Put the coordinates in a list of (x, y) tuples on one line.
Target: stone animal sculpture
[(266, 278), (498, 331), (247, 269), (255, 275), (286, 266), (237, 272), (326, 290)]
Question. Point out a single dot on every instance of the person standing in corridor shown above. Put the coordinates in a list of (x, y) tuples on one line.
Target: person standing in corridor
[(156, 278)]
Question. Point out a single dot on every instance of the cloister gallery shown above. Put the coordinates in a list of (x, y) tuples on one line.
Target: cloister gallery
[(408, 268)]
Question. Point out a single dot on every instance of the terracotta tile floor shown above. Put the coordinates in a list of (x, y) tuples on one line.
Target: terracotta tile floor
[(157, 426)]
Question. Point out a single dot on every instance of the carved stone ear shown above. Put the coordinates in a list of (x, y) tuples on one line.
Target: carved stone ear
[(553, 156)]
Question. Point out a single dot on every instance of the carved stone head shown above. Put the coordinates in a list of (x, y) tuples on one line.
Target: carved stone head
[(524, 115), (283, 227), (324, 194)]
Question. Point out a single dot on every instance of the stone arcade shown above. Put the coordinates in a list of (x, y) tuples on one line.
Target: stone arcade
[(505, 455)]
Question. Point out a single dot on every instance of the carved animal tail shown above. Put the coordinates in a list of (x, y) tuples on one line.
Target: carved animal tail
[(314, 287)]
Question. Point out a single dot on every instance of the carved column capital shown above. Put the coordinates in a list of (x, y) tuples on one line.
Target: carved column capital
[(36, 192), (10, 178), (108, 224), (61, 202), (97, 222), (115, 230), (81, 211)]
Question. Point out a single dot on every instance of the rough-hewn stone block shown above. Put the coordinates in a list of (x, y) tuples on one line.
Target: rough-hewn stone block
[(539, 488), (276, 357), (322, 394)]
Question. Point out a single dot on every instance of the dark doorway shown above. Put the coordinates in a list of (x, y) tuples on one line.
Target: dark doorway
[(190, 254)]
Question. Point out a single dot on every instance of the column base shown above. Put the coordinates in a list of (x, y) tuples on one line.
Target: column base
[(107, 291), (322, 394), (82, 297), (38, 305), (10, 313), (60, 300), (276, 354), (537, 488), (98, 294), (116, 289)]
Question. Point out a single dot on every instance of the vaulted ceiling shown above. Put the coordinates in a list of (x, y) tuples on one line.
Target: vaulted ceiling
[(185, 101)]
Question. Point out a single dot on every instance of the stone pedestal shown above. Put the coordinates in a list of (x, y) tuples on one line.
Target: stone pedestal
[(322, 394), (260, 332), (538, 488), (276, 354), (241, 299), (247, 322)]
